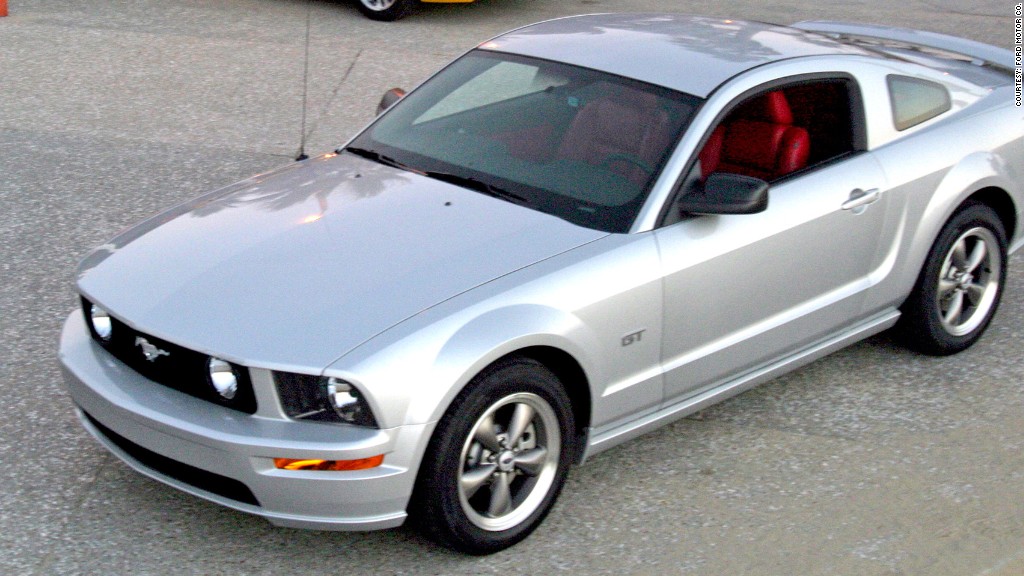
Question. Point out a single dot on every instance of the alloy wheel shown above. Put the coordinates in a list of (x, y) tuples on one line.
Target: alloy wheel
[(969, 281), (509, 461)]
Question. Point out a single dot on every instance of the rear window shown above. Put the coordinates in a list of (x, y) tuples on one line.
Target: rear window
[(915, 101)]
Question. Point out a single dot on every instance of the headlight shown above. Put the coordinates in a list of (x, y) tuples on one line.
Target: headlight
[(100, 322), (322, 399), (346, 401), (223, 378)]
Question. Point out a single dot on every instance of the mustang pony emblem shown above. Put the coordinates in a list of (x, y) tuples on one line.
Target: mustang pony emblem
[(148, 350)]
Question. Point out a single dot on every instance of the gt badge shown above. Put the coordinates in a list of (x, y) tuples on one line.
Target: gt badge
[(632, 338)]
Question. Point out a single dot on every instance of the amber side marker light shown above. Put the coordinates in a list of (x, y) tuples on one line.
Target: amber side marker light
[(335, 465)]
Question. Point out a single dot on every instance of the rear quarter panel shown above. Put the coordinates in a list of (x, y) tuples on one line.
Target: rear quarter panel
[(933, 168)]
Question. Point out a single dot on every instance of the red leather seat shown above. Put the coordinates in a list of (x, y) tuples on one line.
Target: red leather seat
[(758, 139), (626, 122)]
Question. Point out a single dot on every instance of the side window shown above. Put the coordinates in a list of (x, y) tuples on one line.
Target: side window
[(915, 100), (785, 130), (778, 132)]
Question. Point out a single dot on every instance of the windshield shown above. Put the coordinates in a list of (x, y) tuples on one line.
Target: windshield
[(572, 142)]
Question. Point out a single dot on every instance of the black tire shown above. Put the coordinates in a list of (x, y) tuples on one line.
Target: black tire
[(385, 10), (479, 493), (958, 291)]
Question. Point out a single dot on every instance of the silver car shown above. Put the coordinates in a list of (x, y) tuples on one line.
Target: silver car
[(575, 233)]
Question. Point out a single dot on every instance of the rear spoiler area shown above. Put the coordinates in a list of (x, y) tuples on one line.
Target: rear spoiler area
[(883, 37)]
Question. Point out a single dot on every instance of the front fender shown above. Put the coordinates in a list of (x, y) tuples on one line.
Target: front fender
[(494, 335), (413, 377)]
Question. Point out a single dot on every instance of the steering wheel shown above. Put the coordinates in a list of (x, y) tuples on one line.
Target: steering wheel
[(628, 159)]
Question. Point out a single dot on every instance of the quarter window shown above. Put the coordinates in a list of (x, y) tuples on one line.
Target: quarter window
[(915, 101)]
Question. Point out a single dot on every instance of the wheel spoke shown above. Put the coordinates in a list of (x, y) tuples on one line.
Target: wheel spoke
[(977, 256), (473, 480), (946, 286), (959, 255), (974, 293), (521, 419), (532, 461), (501, 495), (956, 305), (485, 434)]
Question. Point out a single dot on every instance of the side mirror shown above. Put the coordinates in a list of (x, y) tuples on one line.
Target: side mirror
[(389, 98), (726, 193)]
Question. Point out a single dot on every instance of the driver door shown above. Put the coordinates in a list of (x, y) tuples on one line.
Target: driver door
[(744, 290)]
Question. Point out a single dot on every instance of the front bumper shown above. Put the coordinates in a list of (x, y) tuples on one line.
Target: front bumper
[(228, 457)]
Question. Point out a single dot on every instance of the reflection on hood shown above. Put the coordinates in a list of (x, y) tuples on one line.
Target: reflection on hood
[(297, 267)]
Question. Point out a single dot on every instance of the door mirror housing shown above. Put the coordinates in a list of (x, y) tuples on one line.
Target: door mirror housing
[(389, 99), (726, 193)]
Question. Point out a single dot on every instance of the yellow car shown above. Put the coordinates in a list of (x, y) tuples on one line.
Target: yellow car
[(395, 9)]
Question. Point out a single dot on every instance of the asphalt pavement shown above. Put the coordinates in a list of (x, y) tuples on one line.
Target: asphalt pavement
[(873, 461)]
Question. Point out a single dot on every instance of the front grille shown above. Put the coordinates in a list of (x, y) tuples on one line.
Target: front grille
[(208, 481), (171, 365)]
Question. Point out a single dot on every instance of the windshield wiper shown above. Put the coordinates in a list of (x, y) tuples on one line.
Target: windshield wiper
[(457, 179), (480, 186), (380, 158)]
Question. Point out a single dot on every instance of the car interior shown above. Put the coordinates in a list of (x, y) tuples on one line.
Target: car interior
[(758, 140), (781, 132)]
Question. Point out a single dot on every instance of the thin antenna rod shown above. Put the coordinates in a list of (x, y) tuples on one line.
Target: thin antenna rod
[(305, 87)]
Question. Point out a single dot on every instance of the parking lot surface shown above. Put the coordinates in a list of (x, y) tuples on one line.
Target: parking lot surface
[(873, 461)]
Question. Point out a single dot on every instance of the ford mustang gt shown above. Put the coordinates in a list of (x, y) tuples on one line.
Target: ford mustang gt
[(578, 231)]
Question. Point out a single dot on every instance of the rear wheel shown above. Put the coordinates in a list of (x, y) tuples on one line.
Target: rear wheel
[(498, 459), (959, 289), (386, 10)]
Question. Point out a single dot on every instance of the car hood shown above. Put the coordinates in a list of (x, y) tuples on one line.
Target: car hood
[(292, 269)]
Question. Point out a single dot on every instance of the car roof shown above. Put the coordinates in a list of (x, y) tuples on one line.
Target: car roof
[(692, 54)]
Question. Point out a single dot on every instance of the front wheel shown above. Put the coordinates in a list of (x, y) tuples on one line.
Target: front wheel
[(958, 291), (497, 460), (386, 10)]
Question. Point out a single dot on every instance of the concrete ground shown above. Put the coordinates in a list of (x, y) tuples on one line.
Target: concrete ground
[(874, 461)]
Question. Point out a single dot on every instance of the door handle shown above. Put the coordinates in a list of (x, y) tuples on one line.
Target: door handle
[(860, 198)]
